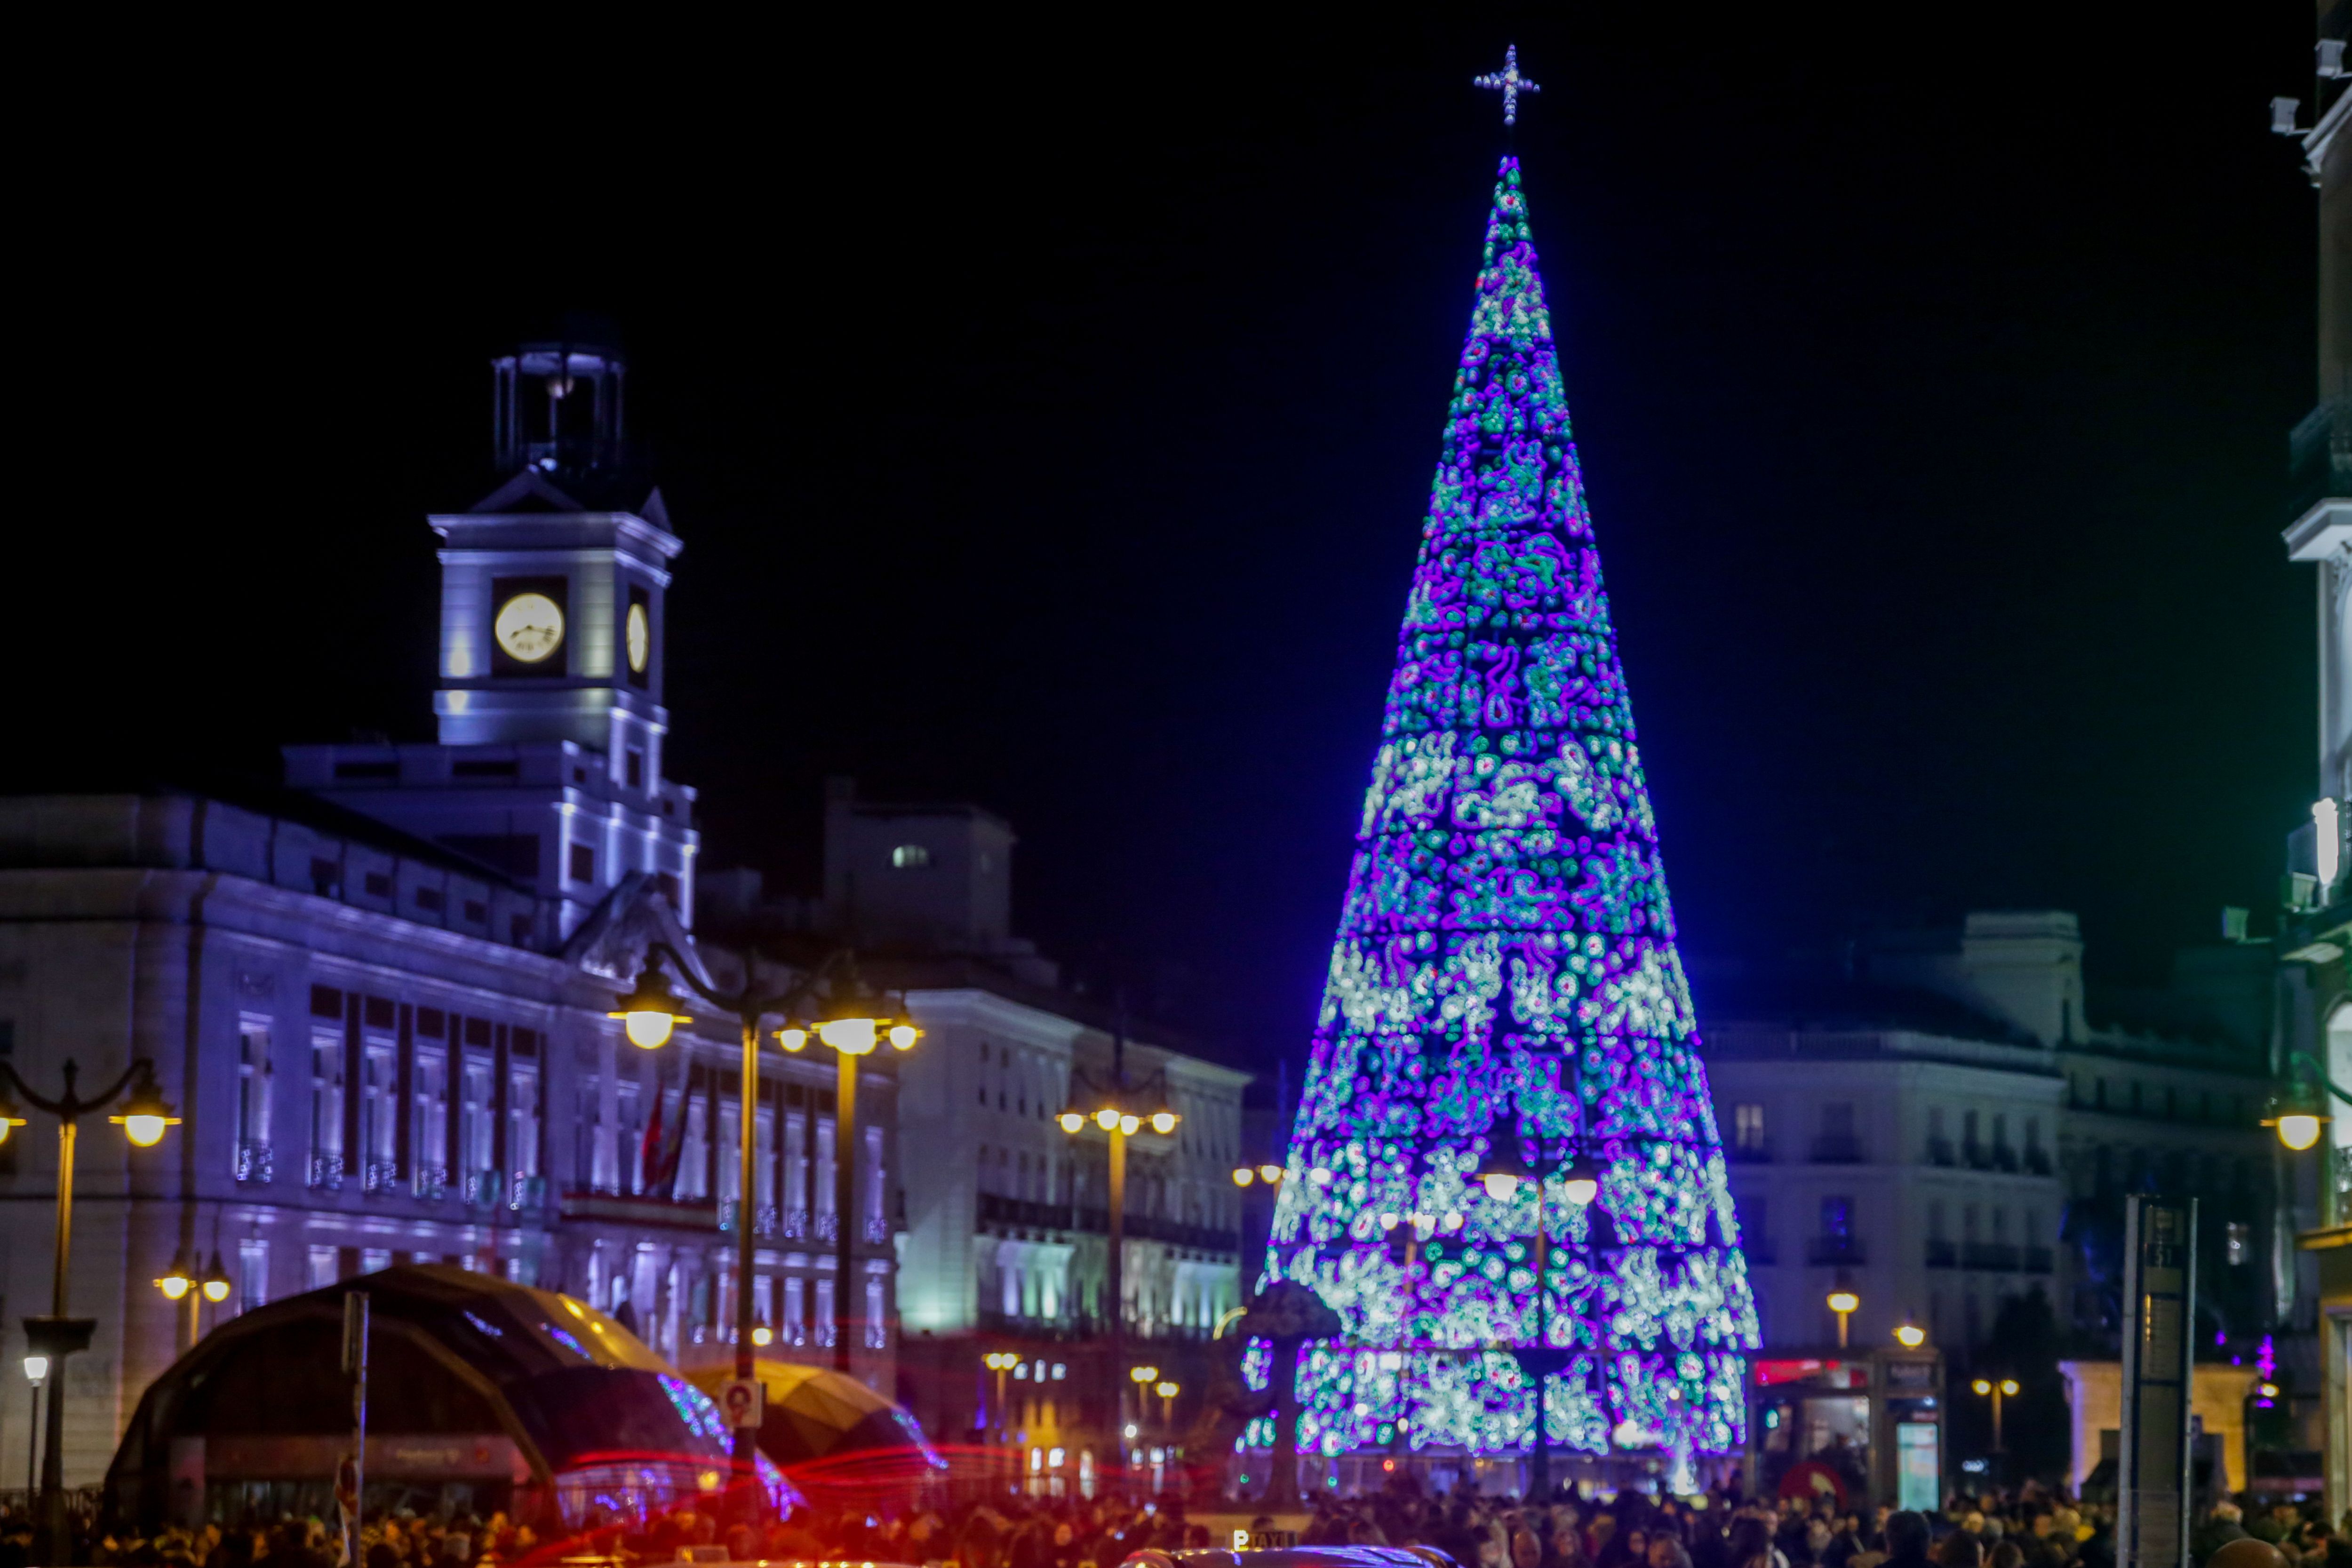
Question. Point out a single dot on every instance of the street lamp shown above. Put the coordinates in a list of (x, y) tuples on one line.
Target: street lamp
[(2299, 1108), (2005, 1388), (1000, 1361), (144, 1118), (1120, 1112), (1167, 1391), (1909, 1335), (1502, 1173), (1845, 1303), (846, 1017)]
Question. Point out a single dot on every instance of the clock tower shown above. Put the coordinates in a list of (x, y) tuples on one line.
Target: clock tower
[(549, 765)]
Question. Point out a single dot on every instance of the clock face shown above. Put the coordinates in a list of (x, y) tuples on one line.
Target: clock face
[(530, 627), (640, 637)]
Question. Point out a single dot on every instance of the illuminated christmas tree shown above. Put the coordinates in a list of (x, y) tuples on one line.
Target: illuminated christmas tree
[(1505, 985)]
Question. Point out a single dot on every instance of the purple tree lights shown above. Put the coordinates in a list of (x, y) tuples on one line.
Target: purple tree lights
[(1505, 975)]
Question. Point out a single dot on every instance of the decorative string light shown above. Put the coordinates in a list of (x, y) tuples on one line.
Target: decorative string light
[(1506, 968)]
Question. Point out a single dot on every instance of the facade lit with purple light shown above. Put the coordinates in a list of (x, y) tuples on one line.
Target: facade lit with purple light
[(1506, 965)]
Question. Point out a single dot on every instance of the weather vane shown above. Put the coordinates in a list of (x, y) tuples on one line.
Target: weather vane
[(1510, 81)]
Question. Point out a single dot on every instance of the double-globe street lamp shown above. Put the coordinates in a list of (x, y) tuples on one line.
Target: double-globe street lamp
[(143, 1116), (831, 1003), (1502, 1173)]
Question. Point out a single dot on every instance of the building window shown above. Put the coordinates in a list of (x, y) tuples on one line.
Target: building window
[(429, 1123), (252, 1149), (1837, 1217), (910, 857), (2238, 1240), (1747, 1126), (584, 863), (252, 1273), (325, 1267), (878, 1317), (327, 1109), (475, 1132), (374, 1260), (825, 1321), (379, 1117), (633, 765), (522, 1125), (795, 1330)]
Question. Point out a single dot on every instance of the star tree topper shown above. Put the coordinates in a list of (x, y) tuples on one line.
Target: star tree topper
[(1511, 83)]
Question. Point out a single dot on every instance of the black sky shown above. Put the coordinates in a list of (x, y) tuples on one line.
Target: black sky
[(1050, 421)]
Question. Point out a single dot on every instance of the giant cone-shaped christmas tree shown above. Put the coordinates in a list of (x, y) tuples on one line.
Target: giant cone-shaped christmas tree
[(1506, 977)]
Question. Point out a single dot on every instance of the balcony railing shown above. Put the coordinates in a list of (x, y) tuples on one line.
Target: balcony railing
[(482, 1189), (996, 1209), (1942, 1254), (1837, 1149), (876, 1230), (828, 1228), (2004, 1159), (327, 1172), (1756, 1152), (431, 1183), (380, 1177), (2000, 1257), (1825, 1249), (255, 1162), (1941, 1152), (527, 1192), (1976, 1156), (2037, 1159)]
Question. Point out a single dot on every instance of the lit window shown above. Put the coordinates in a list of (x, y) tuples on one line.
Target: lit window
[(2239, 1239), (1747, 1125), (910, 857)]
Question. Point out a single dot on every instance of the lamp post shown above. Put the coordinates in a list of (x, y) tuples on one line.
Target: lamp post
[(832, 1003), (1120, 1112), (1504, 1171), (1845, 1303), (1167, 1390), (144, 1117), (2006, 1386), (998, 1362), (36, 1368)]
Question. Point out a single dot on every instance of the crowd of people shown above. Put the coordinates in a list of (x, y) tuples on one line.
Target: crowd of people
[(2031, 1527)]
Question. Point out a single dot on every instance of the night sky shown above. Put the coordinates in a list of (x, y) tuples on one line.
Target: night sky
[(1049, 420)]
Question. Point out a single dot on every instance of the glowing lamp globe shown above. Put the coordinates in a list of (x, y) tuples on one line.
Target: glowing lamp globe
[(1163, 1122), (648, 1013), (851, 1037), (1130, 1123), (2298, 1132), (1910, 1336), (178, 1279), (1580, 1183), (144, 1115), (216, 1282), (2008, 1385), (903, 1036), (762, 1336), (1269, 1173), (1071, 1122), (1243, 1175), (1844, 1302), (1107, 1118), (792, 1038), (37, 1367), (1981, 1386)]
